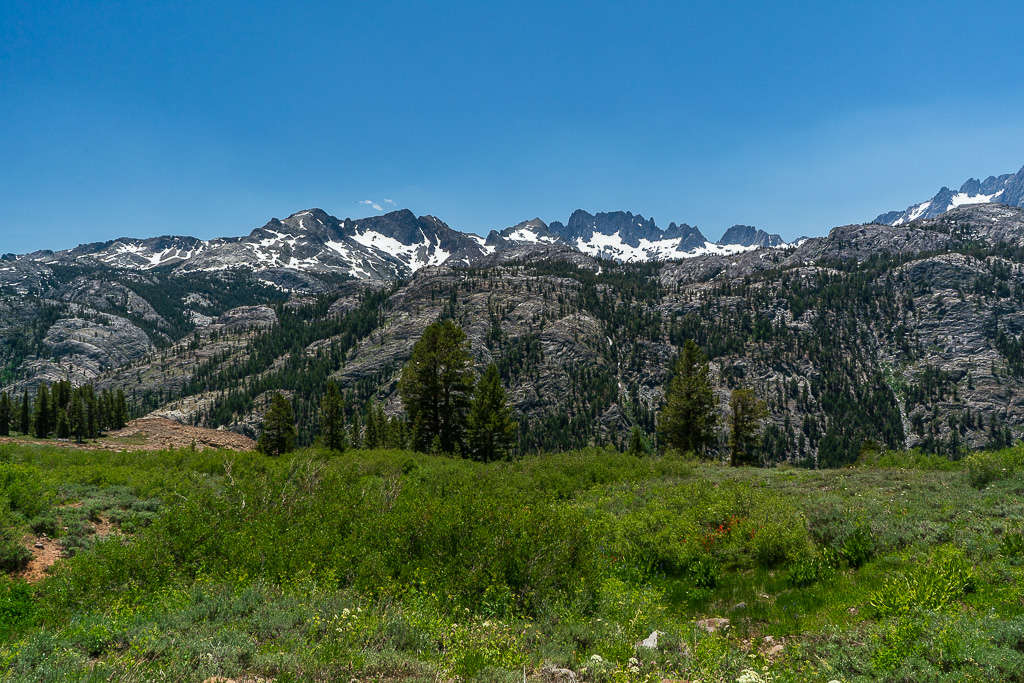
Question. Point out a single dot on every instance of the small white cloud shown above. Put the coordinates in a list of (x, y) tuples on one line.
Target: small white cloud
[(390, 201), (370, 202)]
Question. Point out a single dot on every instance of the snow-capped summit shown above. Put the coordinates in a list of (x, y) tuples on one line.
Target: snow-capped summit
[(534, 231), (1005, 189), (399, 243)]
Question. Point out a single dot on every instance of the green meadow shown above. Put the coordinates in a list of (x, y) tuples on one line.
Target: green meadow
[(392, 565)]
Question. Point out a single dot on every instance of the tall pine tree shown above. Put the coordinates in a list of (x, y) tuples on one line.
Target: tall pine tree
[(332, 419), (278, 435), (689, 418), (25, 416), (436, 385), (6, 414), (746, 413), (42, 412), (491, 431)]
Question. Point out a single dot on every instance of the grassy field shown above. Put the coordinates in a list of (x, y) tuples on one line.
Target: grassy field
[(383, 565)]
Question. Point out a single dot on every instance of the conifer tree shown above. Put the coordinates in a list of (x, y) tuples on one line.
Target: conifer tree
[(6, 414), (120, 410), (63, 425), (278, 435), (637, 447), (436, 385), (79, 423), (491, 431), (332, 419), (689, 418), (747, 413), (91, 412), (371, 430), (51, 416), (42, 412), (376, 426), (397, 433), (25, 418), (355, 431)]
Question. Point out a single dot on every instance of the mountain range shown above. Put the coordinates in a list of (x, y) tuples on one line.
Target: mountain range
[(875, 336), (1004, 189), (399, 243)]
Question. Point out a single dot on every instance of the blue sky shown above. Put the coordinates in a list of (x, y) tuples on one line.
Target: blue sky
[(207, 118)]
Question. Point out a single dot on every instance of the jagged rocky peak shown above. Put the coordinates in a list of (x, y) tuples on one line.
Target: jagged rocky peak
[(309, 223), (631, 229), (392, 245), (690, 237), (532, 231), (1004, 189), (749, 236)]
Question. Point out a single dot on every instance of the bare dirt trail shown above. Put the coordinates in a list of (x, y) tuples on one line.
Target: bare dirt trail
[(47, 551)]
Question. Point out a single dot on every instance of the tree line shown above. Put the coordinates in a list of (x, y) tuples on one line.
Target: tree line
[(448, 410), (63, 411)]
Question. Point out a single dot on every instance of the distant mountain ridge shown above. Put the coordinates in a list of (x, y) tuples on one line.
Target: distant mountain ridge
[(399, 243), (1004, 189)]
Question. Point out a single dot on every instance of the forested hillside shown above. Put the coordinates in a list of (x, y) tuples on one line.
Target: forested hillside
[(874, 337)]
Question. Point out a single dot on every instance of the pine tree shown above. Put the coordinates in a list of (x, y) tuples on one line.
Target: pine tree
[(25, 418), (6, 414), (637, 443), (278, 435), (376, 426), (91, 412), (436, 385), (491, 431), (120, 410), (397, 433), (332, 419), (63, 424), (42, 412), (79, 423), (746, 415), (51, 416), (355, 431), (689, 418)]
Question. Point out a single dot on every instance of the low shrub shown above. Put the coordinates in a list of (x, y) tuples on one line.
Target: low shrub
[(17, 606), (859, 546), (934, 586), (45, 523), (985, 467), (1011, 545), (810, 570)]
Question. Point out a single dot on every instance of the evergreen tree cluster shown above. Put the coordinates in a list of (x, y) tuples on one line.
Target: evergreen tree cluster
[(62, 411)]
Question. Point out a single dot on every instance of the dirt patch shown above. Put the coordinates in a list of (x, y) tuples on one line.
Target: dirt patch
[(157, 433), (154, 434), (45, 551)]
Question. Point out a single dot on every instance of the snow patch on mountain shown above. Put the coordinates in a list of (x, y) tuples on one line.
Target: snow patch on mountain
[(962, 198), (1005, 189), (399, 243), (614, 248)]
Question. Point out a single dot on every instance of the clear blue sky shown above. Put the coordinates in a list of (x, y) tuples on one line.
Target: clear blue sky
[(207, 118)]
